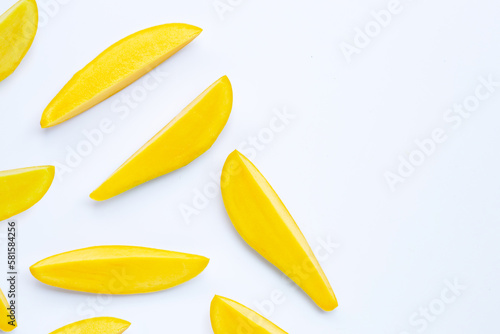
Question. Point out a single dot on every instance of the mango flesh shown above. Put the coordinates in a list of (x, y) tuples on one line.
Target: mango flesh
[(186, 137), (228, 317), (101, 325), (118, 269), (18, 26), (263, 221), (22, 188), (6, 323), (117, 67)]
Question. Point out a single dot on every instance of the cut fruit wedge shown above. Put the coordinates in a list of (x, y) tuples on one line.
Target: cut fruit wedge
[(228, 316), (265, 224), (18, 27), (118, 269), (22, 188), (116, 68), (101, 325), (8, 321), (186, 137)]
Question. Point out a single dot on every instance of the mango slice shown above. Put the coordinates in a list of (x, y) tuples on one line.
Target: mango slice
[(265, 224), (22, 188), (228, 316), (7, 322), (18, 26), (117, 67), (101, 325), (118, 269), (186, 137)]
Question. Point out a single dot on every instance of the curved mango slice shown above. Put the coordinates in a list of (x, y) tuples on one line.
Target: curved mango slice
[(228, 316), (186, 137), (101, 325), (117, 67), (118, 269), (22, 188), (265, 224), (18, 26), (8, 321)]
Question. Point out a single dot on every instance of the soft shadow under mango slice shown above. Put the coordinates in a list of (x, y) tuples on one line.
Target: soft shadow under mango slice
[(118, 269), (117, 67), (192, 132), (263, 221)]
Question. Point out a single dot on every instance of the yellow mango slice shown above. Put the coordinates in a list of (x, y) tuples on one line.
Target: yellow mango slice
[(118, 269), (265, 224), (8, 321), (22, 188), (117, 67), (228, 317), (18, 26), (186, 137), (101, 325)]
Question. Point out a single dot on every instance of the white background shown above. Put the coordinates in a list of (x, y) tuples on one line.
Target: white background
[(395, 249)]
